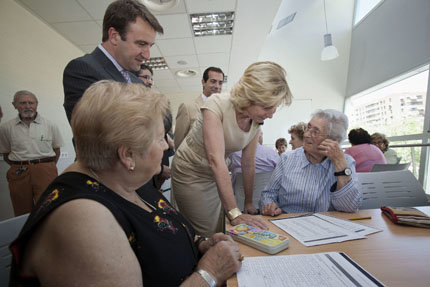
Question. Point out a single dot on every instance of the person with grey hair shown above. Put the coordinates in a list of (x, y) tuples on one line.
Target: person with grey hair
[(30, 144), (318, 176)]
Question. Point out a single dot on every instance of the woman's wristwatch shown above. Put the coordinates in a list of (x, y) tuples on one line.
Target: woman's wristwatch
[(233, 213), (207, 277)]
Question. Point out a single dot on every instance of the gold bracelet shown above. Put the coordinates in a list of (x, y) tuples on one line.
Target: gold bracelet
[(234, 213)]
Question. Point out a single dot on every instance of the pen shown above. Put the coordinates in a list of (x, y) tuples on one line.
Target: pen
[(360, 218)]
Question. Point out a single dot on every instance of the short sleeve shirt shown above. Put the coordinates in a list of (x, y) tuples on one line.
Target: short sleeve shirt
[(24, 142)]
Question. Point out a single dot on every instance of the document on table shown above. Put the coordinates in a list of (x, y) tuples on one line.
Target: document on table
[(317, 229), (304, 270)]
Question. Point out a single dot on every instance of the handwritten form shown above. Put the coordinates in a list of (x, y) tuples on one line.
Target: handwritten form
[(304, 270)]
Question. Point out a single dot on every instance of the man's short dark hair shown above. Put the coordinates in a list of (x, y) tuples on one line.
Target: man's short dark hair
[(213, 69), (146, 67), (122, 12), (358, 136)]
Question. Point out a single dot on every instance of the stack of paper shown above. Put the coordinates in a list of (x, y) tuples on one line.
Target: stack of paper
[(317, 229)]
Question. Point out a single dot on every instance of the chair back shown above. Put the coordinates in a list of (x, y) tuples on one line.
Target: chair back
[(260, 181), (9, 230), (389, 167), (391, 188)]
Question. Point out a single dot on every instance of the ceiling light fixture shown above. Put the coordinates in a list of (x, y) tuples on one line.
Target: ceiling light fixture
[(160, 5), (156, 63), (329, 52), (188, 73), (211, 24)]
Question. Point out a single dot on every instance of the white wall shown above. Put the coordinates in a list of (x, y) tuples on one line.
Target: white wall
[(297, 47), (32, 57), (392, 40)]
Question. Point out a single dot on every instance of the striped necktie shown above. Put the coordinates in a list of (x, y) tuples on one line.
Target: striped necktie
[(126, 76)]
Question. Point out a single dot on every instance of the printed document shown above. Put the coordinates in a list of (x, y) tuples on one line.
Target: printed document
[(317, 229), (304, 270)]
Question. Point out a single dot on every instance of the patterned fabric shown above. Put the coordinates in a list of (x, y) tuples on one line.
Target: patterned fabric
[(365, 156), (299, 186), (162, 240)]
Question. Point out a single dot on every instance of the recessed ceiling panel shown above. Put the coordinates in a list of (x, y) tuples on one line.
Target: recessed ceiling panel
[(80, 33), (95, 8), (214, 44), (219, 60), (203, 6), (175, 26), (54, 11), (184, 61), (175, 47)]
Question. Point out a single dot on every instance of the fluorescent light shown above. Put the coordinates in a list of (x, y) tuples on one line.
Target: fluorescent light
[(209, 24), (156, 63)]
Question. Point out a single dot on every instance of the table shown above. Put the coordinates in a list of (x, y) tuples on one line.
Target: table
[(397, 256)]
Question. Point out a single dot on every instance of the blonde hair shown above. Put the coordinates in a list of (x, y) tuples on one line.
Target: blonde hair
[(112, 114), (262, 84)]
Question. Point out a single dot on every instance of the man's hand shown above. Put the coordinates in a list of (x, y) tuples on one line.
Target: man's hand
[(250, 209), (271, 209)]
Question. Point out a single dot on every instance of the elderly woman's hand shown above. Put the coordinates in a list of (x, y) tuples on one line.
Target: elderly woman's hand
[(271, 209), (250, 220), (212, 241), (221, 260), (331, 149)]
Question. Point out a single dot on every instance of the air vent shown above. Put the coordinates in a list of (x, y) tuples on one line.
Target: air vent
[(286, 21), (156, 63)]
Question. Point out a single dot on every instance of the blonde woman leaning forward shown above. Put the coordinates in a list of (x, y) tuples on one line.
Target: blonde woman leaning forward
[(92, 227), (228, 123)]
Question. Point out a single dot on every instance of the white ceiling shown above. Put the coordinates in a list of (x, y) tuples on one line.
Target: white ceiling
[(80, 21)]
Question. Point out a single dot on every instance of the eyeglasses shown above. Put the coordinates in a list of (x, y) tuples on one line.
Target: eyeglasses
[(146, 77), (314, 132)]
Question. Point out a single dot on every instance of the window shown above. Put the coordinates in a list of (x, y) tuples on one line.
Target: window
[(397, 109), (363, 7)]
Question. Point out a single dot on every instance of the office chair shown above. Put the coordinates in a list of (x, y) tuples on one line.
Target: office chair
[(260, 181), (391, 188), (9, 230), (390, 167)]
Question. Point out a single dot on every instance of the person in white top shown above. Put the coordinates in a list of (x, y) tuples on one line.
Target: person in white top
[(30, 144)]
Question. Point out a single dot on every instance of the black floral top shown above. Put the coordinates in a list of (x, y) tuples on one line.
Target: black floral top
[(162, 240)]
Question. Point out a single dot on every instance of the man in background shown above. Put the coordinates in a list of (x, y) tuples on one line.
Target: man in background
[(129, 30), (30, 144), (146, 75), (212, 81)]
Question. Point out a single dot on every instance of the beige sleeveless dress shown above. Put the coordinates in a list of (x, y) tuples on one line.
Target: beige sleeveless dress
[(193, 182)]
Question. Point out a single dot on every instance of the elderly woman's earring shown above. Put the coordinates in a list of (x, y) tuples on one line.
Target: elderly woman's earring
[(131, 168)]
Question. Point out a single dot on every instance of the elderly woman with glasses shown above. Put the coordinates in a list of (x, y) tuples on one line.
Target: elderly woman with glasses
[(318, 176)]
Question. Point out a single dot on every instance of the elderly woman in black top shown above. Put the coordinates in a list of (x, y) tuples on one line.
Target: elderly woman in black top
[(91, 227)]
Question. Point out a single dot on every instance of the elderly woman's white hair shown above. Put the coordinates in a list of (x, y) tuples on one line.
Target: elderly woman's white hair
[(337, 123)]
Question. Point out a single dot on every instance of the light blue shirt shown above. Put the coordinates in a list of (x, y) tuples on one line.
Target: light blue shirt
[(300, 186)]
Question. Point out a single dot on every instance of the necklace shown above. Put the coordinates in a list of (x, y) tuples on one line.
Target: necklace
[(147, 203), (144, 201), (94, 174)]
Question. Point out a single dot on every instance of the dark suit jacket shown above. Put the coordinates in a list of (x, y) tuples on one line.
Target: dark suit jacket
[(81, 72)]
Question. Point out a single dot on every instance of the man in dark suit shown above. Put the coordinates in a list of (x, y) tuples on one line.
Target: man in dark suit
[(129, 30)]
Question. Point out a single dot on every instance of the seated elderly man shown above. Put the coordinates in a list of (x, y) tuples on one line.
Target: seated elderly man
[(318, 176)]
